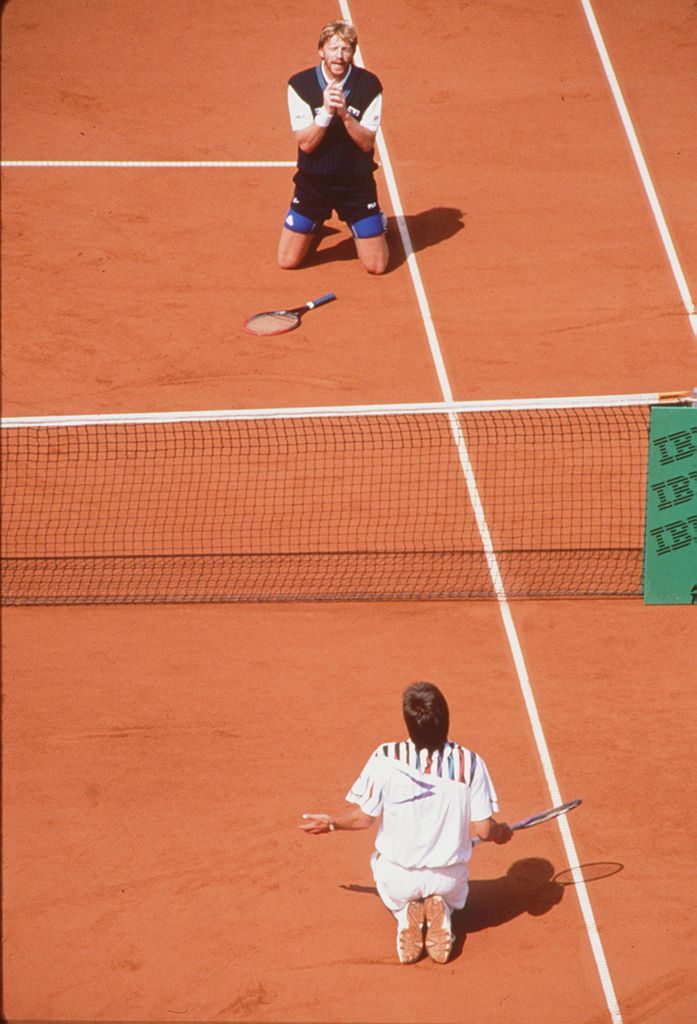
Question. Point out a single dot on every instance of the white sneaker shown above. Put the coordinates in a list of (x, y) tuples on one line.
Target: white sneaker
[(410, 940), (439, 937)]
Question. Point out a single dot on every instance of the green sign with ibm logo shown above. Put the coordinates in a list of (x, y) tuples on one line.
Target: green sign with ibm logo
[(670, 541)]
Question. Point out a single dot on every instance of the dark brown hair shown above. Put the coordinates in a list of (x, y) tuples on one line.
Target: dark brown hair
[(426, 716)]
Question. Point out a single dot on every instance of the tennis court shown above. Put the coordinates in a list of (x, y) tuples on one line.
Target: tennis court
[(157, 756)]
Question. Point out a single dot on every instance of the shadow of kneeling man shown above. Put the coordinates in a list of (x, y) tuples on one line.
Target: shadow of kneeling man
[(528, 887), (425, 229)]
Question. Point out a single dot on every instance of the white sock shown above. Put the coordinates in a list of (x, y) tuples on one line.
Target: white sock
[(447, 912), (402, 919)]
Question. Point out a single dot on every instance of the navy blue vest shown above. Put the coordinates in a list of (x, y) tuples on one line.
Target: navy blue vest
[(337, 154)]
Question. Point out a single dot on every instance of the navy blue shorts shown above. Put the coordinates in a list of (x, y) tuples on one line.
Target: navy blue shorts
[(316, 198)]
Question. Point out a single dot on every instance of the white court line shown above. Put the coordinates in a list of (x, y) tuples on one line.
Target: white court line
[(451, 409), (651, 194), (147, 163), (496, 579)]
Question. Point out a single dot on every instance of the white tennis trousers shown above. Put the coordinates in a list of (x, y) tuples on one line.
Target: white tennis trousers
[(398, 886)]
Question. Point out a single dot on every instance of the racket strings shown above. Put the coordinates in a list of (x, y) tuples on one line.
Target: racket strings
[(540, 818), (271, 323), (553, 812)]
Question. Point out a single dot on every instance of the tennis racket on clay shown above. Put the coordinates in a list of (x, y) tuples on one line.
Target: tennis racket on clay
[(537, 819), (279, 321)]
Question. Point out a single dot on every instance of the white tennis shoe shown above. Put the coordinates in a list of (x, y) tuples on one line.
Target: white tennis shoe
[(410, 940), (439, 937)]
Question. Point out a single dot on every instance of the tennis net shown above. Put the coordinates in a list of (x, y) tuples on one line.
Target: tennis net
[(540, 498)]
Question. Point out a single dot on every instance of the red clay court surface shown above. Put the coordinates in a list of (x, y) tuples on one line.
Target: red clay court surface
[(157, 759)]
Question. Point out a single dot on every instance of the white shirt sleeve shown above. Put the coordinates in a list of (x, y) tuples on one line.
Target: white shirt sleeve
[(301, 113), (368, 789), (373, 113), (483, 799)]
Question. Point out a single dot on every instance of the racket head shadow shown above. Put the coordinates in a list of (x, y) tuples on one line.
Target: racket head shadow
[(265, 325), (585, 873)]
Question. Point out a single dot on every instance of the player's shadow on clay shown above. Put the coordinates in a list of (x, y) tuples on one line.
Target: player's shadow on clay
[(430, 227), (528, 887)]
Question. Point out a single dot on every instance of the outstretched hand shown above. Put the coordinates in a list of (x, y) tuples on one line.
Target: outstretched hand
[(316, 824)]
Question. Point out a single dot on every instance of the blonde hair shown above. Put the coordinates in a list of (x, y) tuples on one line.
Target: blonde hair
[(343, 30)]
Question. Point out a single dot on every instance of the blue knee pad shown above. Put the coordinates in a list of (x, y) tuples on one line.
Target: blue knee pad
[(297, 222), (370, 227)]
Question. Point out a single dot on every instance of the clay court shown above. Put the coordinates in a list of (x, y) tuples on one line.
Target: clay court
[(157, 757)]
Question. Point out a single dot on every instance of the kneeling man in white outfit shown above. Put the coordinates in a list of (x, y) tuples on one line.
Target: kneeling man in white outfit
[(429, 795)]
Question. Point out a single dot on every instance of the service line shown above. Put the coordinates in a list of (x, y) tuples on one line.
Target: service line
[(147, 163)]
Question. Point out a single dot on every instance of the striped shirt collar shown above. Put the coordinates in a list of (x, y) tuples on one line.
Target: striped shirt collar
[(452, 761)]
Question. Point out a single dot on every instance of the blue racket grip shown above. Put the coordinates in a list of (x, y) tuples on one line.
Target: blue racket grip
[(329, 297)]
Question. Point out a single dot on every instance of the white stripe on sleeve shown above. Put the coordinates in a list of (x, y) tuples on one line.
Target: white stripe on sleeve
[(373, 114), (301, 113)]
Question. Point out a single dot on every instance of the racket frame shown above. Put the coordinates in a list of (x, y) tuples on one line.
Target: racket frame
[(537, 819), (292, 316)]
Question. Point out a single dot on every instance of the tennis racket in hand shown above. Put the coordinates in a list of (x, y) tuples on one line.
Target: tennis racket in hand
[(537, 819), (281, 320)]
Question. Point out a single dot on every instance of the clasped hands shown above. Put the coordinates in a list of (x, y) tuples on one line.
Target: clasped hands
[(335, 101)]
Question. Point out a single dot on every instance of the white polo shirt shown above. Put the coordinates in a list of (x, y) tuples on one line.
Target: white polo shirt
[(425, 803)]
